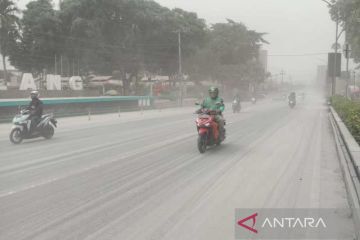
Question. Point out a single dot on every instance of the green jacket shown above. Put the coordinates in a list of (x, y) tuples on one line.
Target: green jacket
[(211, 104)]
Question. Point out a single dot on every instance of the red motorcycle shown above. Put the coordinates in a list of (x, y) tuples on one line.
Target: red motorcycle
[(208, 129)]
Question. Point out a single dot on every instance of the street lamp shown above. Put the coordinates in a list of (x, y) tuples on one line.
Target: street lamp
[(347, 52), (337, 36)]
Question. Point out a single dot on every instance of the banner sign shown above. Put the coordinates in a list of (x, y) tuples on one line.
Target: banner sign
[(53, 82)]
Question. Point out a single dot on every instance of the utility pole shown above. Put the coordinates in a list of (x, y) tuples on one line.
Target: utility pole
[(347, 56), (337, 36), (3, 59), (180, 57), (61, 65), (78, 65), (180, 70), (73, 67), (333, 87), (55, 70), (282, 73)]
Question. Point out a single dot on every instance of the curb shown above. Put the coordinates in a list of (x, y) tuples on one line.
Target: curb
[(348, 152)]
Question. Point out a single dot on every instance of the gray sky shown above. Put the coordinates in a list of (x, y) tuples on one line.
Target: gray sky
[(293, 27)]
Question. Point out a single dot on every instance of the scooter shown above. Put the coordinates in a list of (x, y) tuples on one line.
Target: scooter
[(236, 106), (292, 103), (208, 130), (253, 100), (21, 127)]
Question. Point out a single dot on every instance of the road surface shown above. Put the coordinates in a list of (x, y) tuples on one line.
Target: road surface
[(140, 176)]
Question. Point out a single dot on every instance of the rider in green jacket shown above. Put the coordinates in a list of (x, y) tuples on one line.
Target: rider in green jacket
[(214, 102)]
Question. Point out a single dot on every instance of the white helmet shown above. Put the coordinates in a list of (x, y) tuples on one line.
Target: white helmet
[(34, 94)]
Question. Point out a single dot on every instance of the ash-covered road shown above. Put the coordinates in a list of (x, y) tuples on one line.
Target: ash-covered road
[(141, 176)]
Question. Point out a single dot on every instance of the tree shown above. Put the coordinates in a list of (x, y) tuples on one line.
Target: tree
[(230, 54), (348, 12), (39, 43), (8, 29), (129, 36)]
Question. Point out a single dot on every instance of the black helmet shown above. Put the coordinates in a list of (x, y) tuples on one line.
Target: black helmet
[(213, 92)]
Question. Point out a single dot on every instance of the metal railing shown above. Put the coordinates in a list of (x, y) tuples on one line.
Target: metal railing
[(68, 107)]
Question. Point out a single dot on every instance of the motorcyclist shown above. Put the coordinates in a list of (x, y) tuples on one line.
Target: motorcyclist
[(36, 109), (253, 98), (237, 98), (215, 103), (292, 97), (236, 105)]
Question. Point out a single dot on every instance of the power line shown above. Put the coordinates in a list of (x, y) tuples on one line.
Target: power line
[(298, 55)]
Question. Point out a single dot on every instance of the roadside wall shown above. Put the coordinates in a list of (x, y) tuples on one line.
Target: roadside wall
[(63, 107)]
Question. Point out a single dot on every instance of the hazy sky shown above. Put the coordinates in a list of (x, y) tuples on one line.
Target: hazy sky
[(293, 27)]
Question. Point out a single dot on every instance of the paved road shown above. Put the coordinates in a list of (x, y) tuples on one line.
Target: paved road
[(141, 176)]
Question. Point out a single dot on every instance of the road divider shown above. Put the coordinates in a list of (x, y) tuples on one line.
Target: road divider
[(349, 154)]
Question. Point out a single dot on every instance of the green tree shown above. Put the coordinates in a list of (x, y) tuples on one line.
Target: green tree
[(128, 36), (8, 29), (39, 41), (348, 12), (230, 55)]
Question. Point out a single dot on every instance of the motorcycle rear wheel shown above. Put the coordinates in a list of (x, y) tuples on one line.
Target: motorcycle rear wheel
[(16, 136), (202, 143)]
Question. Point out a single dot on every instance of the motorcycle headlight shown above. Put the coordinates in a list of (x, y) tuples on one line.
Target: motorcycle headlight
[(207, 124), (17, 120)]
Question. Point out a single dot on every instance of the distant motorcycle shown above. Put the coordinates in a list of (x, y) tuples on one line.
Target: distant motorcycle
[(292, 103), (21, 128), (236, 106), (253, 100), (208, 130)]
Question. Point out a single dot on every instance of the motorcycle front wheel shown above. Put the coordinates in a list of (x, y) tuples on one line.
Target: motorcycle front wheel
[(16, 136), (202, 143), (48, 132)]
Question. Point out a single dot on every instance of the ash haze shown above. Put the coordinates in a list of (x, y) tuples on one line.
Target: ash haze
[(294, 28)]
